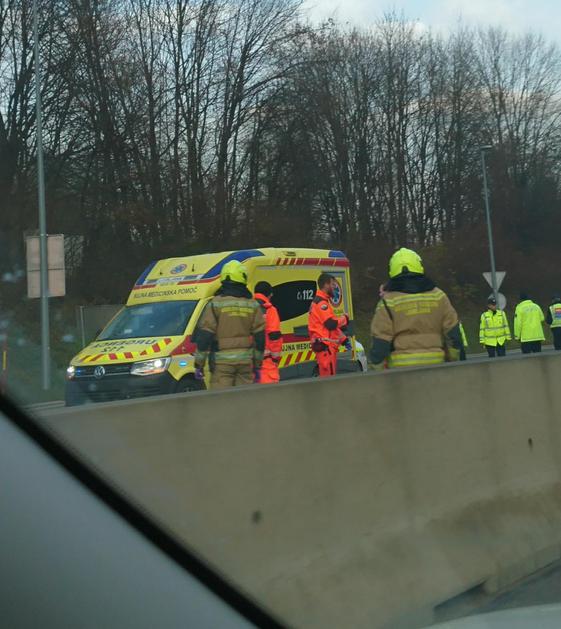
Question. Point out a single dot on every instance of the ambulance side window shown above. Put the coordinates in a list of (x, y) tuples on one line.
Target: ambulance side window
[(293, 299)]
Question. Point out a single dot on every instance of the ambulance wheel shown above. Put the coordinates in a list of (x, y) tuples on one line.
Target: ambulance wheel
[(315, 372), (189, 384)]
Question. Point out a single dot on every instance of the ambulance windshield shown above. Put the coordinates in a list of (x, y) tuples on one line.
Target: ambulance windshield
[(164, 318)]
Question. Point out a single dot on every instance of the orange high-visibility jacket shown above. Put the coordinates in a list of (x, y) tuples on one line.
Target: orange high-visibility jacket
[(273, 336), (323, 325)]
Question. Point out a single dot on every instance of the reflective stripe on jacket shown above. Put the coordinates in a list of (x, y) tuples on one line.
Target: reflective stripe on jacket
[(417, 325), (415, 359), (232, 327), (494, 329), (463, 335), (528, 319)]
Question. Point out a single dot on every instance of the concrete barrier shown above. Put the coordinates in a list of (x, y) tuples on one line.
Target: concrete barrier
[(359, 501)]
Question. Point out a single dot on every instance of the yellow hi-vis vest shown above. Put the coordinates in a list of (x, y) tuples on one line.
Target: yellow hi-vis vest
[(493, 329), (555, 310), (528, 319), (463, 335)]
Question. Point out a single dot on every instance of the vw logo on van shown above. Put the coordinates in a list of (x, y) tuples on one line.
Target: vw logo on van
[(99, 371)]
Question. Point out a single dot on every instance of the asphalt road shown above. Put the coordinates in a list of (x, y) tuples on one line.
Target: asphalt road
[(541, 588), (45, 406)]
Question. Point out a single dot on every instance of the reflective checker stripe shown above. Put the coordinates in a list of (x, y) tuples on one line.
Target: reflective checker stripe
[(110, 356), (417, 359), (294, 358)]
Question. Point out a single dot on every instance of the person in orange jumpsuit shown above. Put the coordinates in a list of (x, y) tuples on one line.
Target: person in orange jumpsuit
[(327, 331), (269, 372)]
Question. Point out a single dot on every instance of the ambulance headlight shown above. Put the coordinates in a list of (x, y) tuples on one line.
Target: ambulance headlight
[(150, 367), (70, 372)]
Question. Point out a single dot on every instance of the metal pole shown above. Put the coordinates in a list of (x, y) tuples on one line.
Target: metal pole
[(489, 228), (44, 273), (83, 326)]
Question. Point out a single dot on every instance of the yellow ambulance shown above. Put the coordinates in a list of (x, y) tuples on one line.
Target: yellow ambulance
[(146, 349)]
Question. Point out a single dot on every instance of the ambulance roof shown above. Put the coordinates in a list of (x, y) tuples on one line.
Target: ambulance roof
[(196, 277)]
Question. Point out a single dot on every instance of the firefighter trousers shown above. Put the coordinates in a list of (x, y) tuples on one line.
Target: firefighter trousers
[(231, 375), (327, 362)]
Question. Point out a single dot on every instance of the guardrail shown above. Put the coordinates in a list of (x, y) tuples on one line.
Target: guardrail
[(357, 501)]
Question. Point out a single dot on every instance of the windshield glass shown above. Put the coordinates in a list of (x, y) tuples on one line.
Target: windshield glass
[(286, 272), (166, 318)]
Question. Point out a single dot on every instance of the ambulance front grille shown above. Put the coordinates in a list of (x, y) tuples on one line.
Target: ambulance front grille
[(111, 395), (110, 370)]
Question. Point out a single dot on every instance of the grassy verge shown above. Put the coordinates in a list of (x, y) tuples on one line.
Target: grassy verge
[(22, 378)]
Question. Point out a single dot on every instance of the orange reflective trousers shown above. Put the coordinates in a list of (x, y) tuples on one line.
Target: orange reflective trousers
[(269, 372), (327, 362)]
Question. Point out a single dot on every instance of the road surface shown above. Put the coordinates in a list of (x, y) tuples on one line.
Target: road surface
[(541, 588)]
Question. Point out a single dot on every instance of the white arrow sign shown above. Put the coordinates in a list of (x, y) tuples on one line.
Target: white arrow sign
[(500, 275)]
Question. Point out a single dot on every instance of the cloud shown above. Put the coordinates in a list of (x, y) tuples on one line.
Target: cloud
[(516, 16), (357, 12), (510, 14), (354, 11)]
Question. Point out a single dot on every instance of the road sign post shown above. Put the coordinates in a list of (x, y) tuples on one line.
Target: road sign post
[(494, 284), (43, 272)]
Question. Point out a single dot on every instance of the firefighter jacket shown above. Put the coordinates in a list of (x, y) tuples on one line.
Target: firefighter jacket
[(493, 328), (553, 316), (273, 336), (326, 329), (528, 319), (232, 327), (414, 324)]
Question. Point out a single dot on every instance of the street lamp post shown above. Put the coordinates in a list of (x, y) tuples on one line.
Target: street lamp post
[(483, 150), (43, 256)]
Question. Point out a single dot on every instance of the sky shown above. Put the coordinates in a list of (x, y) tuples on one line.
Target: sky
[(543, 16)]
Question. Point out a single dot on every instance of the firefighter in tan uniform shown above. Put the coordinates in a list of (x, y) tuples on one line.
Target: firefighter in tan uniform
[(232, 329), (414, 323)]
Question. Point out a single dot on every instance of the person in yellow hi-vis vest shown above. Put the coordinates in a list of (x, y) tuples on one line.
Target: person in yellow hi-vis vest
[(494, 330), (528, 329), (414, 323), (553, 319), (464, 342)]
